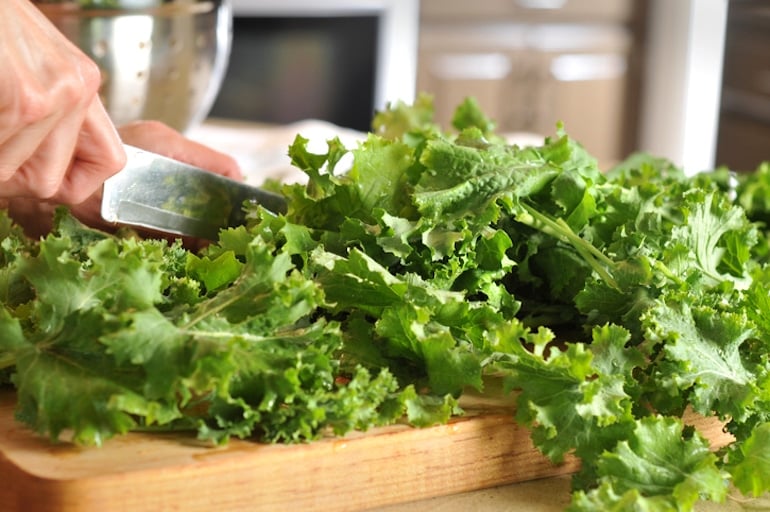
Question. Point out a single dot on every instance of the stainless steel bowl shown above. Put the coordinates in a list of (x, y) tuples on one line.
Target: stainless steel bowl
[(160, 59)]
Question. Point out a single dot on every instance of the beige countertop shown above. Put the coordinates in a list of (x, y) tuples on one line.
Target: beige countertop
[(262, 149), (543, 495)]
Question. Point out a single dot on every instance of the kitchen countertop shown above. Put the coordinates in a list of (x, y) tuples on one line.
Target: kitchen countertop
[(262, 149), (543, 495)]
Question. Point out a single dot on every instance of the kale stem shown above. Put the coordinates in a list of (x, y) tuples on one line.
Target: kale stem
[(558, 228), (7, 360)]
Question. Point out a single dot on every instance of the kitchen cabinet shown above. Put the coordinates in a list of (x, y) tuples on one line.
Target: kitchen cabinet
[(532, 63), (744, 125)]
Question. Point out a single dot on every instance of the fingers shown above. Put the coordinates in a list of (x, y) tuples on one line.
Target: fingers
[(34, 152), (69, 162), (37, 159), (92, 164), (19, 166), (160, 138), (56, 141), (98, 155)]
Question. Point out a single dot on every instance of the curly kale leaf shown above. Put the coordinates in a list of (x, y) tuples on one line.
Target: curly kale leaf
[(749, 462), (659, 467), (703, 356), (574, 399)]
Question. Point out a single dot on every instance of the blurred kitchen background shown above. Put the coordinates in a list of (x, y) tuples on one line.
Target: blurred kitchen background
[(684, 79)]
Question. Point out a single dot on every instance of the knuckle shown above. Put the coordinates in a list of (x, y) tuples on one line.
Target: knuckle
[(119, 161), (7, 171), (73, 91), (33, 105), (91, 77), (110, 162), (46, 187), (70, 90)]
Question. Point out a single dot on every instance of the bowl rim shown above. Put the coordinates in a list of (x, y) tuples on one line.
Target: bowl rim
[(71, 9)]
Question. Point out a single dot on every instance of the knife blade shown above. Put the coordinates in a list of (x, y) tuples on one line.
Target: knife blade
[(162, 194)]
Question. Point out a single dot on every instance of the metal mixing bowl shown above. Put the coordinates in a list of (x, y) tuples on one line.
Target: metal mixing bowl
[(160, 59)]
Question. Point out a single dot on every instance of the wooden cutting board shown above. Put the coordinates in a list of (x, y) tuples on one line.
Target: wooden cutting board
[(151, 472)]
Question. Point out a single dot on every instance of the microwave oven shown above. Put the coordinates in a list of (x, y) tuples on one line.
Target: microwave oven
[(333, 60)]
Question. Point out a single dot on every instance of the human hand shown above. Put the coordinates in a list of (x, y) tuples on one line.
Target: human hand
[(56, 139), (35, 215)]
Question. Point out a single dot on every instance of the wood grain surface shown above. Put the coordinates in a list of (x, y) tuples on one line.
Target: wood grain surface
[(152, 472), (174, 472)]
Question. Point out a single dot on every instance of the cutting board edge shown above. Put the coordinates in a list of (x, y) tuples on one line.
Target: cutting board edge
[(387, 466)]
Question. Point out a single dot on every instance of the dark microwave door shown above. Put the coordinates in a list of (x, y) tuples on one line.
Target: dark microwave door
[(285, 69)]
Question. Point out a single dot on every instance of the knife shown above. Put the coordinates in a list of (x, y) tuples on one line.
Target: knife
[(162, 194)]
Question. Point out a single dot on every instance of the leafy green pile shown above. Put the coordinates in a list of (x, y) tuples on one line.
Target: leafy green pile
[(609, 302)]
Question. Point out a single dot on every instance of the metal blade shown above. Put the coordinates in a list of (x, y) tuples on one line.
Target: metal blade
[(162, 194)]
